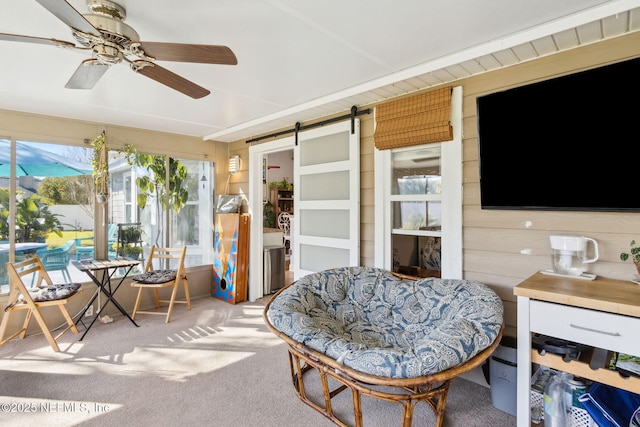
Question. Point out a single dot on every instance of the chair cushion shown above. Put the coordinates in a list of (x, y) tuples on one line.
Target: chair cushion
[(53, 292), (379, 324), (156, 276)]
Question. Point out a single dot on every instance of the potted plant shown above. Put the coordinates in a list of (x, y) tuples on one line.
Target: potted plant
[(132, 251), (269, 214), (634, 253), (281, 185), (130, 234)]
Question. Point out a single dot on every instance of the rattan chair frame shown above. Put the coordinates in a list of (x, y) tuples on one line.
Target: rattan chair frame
[(432, 389)]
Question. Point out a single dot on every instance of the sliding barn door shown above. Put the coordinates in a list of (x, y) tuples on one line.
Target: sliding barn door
[(326, 223)]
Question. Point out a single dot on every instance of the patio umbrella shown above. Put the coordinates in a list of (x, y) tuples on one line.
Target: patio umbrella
[(32, 161)]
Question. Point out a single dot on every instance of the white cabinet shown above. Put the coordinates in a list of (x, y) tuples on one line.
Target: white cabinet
[(603, 313), (590, 327)]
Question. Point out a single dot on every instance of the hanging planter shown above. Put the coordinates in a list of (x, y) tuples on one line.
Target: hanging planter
[(100, 165)]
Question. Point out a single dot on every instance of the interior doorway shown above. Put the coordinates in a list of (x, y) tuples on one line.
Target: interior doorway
[(325, 228), (278, 154), (278, 196)]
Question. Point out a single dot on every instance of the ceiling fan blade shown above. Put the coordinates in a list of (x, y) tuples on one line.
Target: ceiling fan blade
[(87, 74), (37, 40), (168, 78), (67, 14), (198, 53)]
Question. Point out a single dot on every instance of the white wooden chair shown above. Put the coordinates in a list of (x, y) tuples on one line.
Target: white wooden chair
[(34, 299), (161, 277), (284, 224)]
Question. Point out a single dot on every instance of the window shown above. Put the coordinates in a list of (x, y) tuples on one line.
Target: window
[(188, 226), (66, 204), (193, 225), (416, 210), (51, 199), (419, 220)]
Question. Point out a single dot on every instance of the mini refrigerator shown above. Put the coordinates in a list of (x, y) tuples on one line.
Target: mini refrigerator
[(273, 269)]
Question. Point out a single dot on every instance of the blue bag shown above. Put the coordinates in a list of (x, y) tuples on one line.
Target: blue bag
[(611, 406)]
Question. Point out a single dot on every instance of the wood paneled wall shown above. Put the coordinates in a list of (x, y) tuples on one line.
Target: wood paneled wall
[(501, 248)]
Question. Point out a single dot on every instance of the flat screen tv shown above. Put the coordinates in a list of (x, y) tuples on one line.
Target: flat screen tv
[(570, 143)]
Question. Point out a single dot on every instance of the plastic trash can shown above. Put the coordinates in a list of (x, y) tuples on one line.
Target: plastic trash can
[(503, 376)]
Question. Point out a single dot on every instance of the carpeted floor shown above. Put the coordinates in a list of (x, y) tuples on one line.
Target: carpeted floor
[(215, 365)]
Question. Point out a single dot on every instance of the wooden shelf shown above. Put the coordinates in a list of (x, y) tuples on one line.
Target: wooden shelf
[(282, 200), (582, 369), (416, 272)]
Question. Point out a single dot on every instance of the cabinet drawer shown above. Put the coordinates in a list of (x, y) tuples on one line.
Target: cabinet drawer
[(609, 331)]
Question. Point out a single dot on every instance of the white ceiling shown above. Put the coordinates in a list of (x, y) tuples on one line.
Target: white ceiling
[(298, 60)]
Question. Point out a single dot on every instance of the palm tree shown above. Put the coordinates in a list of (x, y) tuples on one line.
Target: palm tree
[(34, 220)]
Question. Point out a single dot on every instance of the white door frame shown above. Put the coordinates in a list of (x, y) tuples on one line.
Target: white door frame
[(256, 153)]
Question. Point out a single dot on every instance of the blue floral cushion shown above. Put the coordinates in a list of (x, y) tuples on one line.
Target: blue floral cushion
[(379, 324)]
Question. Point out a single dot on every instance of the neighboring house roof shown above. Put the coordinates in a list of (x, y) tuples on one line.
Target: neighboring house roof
[(26, 184)]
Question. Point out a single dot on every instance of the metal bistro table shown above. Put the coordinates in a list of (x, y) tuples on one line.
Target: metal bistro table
[(105, 268)]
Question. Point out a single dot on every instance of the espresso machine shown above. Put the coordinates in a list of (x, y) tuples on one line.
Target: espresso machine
[(570, 256)]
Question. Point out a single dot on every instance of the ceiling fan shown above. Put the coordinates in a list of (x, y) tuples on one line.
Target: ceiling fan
[(111, 41)]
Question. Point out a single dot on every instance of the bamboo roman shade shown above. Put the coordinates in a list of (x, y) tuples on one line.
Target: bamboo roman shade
[(416, 120)]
